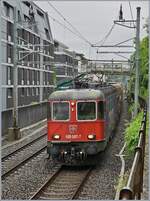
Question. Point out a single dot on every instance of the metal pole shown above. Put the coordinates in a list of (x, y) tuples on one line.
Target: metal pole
[(15, 72), (73, 69), (1, 69), (149, 80), (137, 61), (112, 65), (14, 132)]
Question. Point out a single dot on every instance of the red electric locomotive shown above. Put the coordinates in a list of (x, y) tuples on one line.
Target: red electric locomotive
[(81, 121)]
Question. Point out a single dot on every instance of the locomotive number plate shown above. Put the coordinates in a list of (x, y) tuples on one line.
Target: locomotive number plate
[(73, 132), (69, 136)]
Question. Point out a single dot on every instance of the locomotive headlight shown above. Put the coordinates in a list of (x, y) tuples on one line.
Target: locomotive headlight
[(72, 103), (91, 137), (56, 136)]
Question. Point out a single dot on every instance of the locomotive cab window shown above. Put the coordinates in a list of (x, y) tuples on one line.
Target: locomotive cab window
[(86, 110), (60, 111), (100, 109)]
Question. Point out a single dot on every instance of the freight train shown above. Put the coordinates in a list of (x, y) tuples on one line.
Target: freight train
[(81, 120)]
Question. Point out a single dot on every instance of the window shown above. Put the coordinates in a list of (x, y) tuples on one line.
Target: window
[(33, 92), (31, 38), (19, 16), (26, 3), (37, 91), (9, 75), (10, 92), (9, 53), (38, 77), (44, 78), (26, 18), (28, 91), (33, 76), (86, 110), (22, 76), (22, 91), (26, 37), (27, 76), (100, 110), (9, 31), (7, 9), (40, 13), (60, 111), (47, 34)]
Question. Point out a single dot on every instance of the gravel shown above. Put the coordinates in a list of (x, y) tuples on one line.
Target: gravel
[(9, 148), (25, 181), (25, 153)]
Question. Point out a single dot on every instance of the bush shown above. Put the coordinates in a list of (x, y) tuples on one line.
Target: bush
[(132, 133)]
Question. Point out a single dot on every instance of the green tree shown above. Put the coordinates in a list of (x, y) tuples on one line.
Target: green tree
[(144, 59)]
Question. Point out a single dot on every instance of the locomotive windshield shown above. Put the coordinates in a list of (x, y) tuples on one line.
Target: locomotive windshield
[(86, 110), (60, 111)]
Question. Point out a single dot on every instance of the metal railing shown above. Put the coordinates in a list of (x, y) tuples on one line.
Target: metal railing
[(134, 186)]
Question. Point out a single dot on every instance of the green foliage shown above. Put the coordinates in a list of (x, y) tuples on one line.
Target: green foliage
[(144, 59), (132, 133), (144, 67), (131, 108)]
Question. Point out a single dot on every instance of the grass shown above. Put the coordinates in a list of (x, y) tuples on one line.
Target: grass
[(132, 133)]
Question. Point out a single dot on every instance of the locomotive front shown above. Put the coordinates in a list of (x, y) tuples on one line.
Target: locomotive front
[(75, 124)]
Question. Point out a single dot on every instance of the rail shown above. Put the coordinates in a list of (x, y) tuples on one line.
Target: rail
[(134, 186)]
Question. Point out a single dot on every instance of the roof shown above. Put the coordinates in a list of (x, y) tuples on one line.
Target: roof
[(77, 94)]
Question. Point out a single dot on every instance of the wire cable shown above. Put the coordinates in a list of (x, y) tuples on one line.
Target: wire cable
[(107, 35), (73, 27), (124, 41), (131, 12), (58, 22)]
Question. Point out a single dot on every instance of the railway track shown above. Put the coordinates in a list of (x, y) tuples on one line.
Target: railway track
[(66, 183), (22, 147), (19, 157)]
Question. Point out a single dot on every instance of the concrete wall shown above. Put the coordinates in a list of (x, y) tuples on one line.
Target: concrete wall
[(27, 116)]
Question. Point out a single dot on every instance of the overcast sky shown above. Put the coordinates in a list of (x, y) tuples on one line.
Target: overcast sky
[(93, 20)]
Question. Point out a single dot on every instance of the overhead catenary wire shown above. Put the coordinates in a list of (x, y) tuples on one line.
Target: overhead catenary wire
[(107, 35), (58, 22), (64, 26), (131, 12), (73, 27), (124, 41), (112, 27)]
